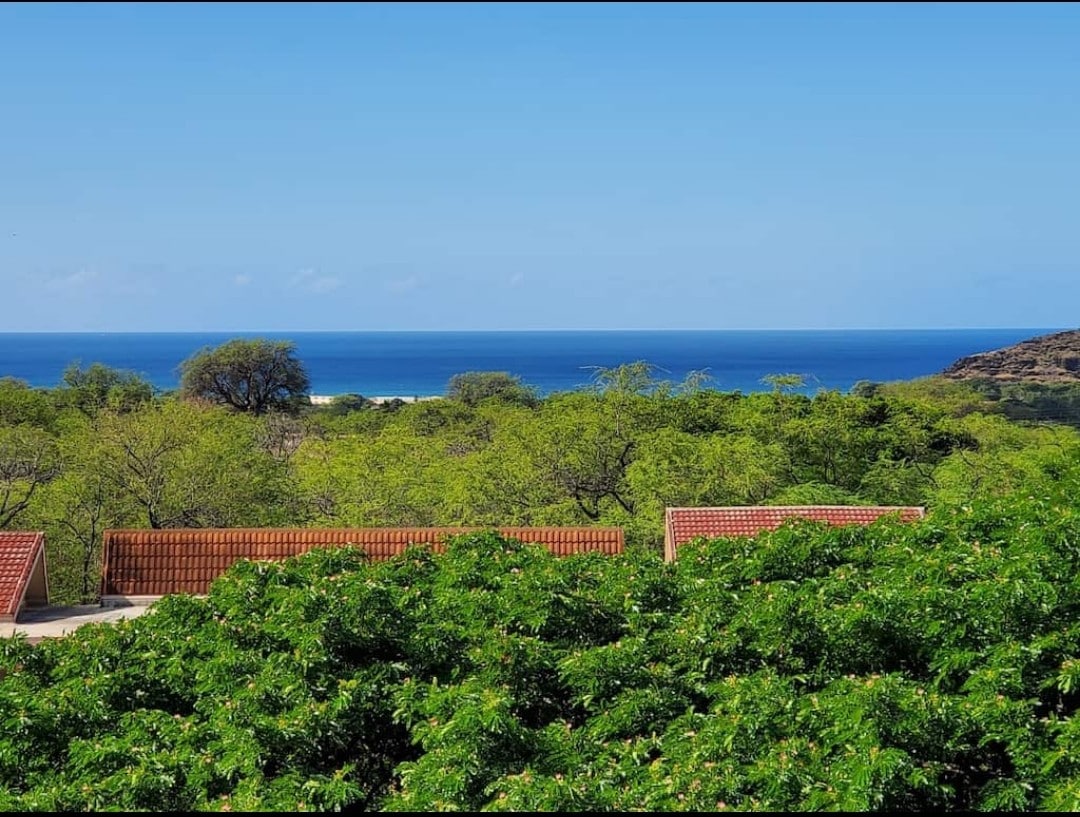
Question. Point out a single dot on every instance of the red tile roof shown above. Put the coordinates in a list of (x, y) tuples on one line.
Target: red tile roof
[(158, 562), (683, 524), (20, 553)]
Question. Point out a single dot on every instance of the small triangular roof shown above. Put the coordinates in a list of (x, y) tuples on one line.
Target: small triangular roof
[(23, 577)]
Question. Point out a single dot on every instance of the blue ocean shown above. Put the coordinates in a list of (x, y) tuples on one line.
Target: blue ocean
[(421, 363)]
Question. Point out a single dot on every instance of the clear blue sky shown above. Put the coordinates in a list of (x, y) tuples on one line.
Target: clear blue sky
[(297, 167)]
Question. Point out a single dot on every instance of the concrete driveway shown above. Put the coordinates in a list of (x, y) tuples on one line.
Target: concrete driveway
[(52, 622)]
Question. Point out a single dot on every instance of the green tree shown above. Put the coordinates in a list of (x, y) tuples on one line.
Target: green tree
[(586, 443), (97, 386), (28, 460), (393, 479), (511, 480), (343, 404), (833, 441), (21, 404), (784, 382), (677, 469), (1005, 457), (77, 507), (639, 377), (472, 388), (253, 376), (183, 465)]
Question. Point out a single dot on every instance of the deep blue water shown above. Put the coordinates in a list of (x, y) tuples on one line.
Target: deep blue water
[(421, 363)]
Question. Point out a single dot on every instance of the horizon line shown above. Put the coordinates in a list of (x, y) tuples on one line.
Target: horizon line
[(524, 331)]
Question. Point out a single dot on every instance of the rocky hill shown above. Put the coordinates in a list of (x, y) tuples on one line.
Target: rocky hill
[(1046, 359)]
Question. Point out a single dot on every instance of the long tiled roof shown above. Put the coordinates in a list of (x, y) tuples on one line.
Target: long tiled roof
[(684, 524), (19, 552), (159, 562)]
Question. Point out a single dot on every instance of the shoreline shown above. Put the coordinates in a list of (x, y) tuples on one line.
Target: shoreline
[(326, 399)]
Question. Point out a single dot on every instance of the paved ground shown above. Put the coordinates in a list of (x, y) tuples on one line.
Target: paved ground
[(50, 622)]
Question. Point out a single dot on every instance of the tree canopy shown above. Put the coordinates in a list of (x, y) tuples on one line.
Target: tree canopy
[(471, 388), (255, 375), (97, 386)]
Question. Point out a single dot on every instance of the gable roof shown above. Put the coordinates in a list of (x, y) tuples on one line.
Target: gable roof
[(22, 571), (683, 524), (141, 563)]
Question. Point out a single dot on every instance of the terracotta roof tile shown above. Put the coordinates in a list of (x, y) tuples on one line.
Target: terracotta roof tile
[(158, 562), (19, 554), (684, 524)]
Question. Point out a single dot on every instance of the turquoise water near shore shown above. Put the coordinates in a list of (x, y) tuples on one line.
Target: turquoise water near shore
[(421, 363)]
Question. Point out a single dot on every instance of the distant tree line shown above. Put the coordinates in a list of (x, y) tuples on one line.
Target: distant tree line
[(104, 449)]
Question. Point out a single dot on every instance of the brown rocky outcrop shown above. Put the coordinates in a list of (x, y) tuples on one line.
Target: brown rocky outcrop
[(1046, 359)]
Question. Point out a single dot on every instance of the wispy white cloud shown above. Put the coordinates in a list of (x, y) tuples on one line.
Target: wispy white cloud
[(400, 285), (310, 281), (242, 280), (517, 279), (324, 284), (76, 281)]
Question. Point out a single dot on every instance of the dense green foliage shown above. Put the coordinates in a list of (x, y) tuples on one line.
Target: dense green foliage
[(98, 386), (915, 667), (104, 451), (472, 388), (1024, 401), (1059, 402)]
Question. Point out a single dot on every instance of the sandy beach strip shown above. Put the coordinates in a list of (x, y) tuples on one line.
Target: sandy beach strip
[(326, 399)]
